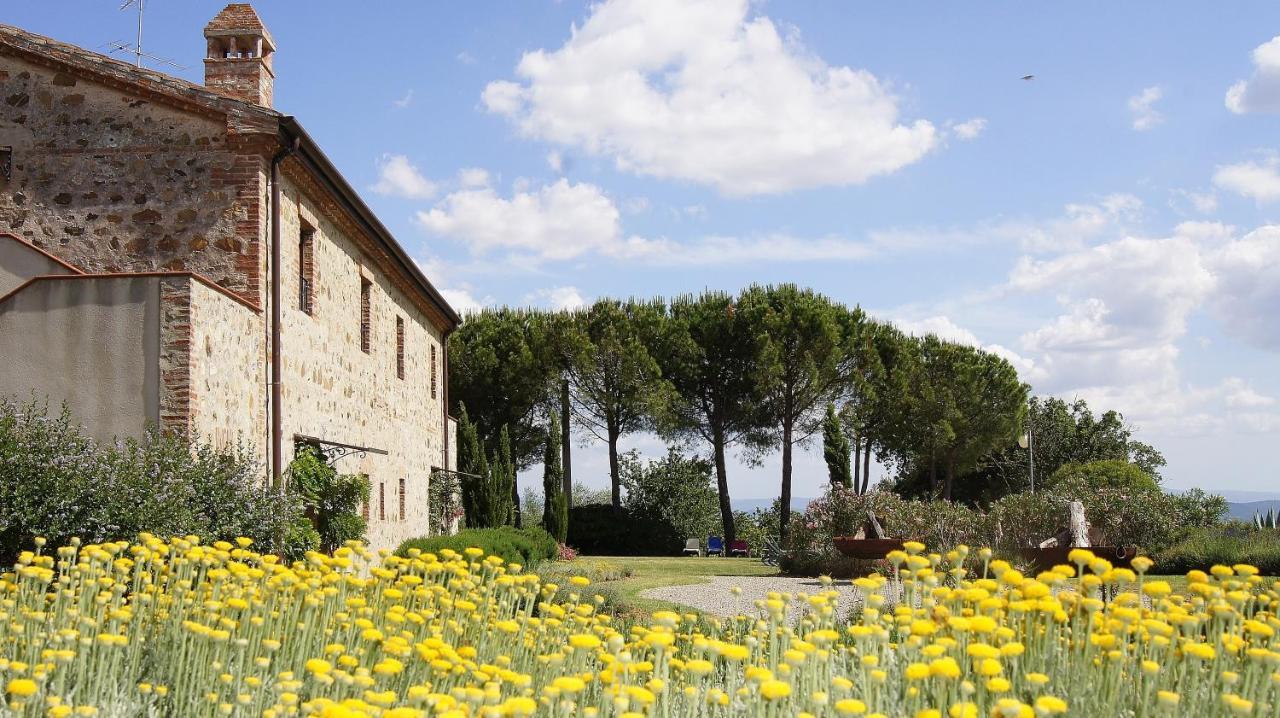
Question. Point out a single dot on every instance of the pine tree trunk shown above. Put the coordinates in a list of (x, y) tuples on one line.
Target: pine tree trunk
[(866, 467), (566, 460), (933, 474), (951, 475), (786, 480), (615, 477), (857, 464), (722, 484)]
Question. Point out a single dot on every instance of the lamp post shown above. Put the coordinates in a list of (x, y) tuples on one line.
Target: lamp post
[(1027, 441)]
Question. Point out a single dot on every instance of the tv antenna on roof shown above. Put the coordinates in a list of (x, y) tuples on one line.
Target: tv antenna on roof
[(135, 49)]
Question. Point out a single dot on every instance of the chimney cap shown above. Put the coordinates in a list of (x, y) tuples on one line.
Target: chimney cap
[(239, 19)]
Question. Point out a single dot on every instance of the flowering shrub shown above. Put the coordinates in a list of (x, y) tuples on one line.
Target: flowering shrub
[(176, 628), (1148, 518), (565, 552), (58, 483)]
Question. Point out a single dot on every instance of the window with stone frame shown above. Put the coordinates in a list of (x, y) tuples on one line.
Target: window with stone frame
[(306, 267), (366, 326), (434, 373), (402, 499), (399, 347)]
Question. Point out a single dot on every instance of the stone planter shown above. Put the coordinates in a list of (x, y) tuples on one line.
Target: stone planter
[(869, 549)]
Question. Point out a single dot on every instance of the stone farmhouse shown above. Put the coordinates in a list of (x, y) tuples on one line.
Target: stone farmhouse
[(186, 257)]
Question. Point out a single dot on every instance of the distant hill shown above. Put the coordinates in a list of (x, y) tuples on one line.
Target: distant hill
[(1242, 510), (798, 503), (1245, 510)]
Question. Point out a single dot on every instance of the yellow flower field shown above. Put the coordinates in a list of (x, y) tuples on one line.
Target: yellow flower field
[(176, 628)]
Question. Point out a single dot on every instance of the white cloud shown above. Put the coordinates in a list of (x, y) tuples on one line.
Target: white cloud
[(555, 161), (556, 221), (768, 248), (398, 177), (707, 92), (1261, 92), (465, 58), (1248, 299), (559, 298), (635, 205), (470, 177), (970, 129), (1077, 226), (1202, 202), (1142, 105), (1257, 180), (463, 301), (404, 101)]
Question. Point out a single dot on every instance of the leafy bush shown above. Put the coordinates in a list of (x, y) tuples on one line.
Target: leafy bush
[(524, 546), (1146, 517), (674, 491), (58, 483), (331, 501), (601, 530), (1227, 545)]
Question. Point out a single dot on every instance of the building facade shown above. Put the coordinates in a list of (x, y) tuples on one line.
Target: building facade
[(186, 257)]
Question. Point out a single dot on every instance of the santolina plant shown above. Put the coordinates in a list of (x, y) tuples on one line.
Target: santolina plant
[(176, 628)]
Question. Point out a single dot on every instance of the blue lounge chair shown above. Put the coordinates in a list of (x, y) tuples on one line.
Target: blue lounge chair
[(715, 546)]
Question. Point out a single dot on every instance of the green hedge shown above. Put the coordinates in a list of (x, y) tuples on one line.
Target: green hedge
[(601, 530), (1226, 545), (524, 546)]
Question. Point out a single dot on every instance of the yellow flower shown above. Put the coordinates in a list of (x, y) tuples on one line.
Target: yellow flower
[(850, 707), (22, 687), (917, 671), (318, 666), (774, 690), (1050, 705)]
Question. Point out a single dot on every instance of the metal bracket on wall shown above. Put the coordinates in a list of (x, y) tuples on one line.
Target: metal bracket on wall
[(333, 451)]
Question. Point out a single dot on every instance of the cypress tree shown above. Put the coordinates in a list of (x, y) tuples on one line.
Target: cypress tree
[(555, 509), (835, 449)]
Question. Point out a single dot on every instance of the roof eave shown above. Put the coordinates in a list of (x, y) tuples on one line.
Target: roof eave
[(309, 153)]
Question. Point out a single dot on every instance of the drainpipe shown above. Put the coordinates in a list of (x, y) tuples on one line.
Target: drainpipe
[(275, 308), (444, 380)]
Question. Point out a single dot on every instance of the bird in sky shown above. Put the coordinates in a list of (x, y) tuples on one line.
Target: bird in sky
[(1028, 77)]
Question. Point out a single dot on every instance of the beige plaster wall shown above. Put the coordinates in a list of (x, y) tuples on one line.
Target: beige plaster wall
[(91, 343), (20, 261), (336, 392)]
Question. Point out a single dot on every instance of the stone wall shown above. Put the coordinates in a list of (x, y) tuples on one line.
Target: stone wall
[(227, 374), (113, 182), (335, 392)]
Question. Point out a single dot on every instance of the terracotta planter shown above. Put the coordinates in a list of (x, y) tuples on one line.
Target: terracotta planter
[(866, 548), (1046, 558)]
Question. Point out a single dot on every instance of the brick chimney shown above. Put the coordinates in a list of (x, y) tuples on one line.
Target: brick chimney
[(238, 62)]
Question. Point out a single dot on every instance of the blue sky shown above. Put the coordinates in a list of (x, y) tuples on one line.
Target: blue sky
[(1107, 226)]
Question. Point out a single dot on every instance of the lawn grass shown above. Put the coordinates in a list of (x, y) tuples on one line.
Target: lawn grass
[(655, 571)]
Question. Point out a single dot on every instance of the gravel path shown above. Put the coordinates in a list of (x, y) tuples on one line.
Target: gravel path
[(716, 595)]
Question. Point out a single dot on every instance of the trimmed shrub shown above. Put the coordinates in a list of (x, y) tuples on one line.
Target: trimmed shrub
[(601, 530), (523, 546)]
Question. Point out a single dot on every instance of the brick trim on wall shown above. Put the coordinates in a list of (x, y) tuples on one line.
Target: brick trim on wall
[(113, 275), (175, 355)]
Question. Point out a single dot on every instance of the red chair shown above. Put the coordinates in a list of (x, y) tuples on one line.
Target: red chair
[(739, 547)]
